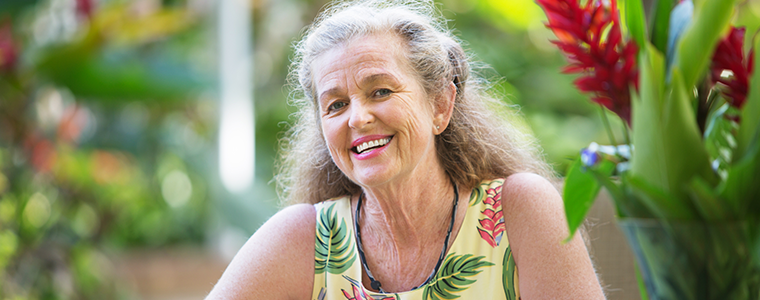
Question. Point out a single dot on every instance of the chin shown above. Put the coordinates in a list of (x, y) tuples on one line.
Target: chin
[(371, 178)]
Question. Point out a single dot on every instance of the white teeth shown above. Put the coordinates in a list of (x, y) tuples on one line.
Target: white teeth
[(371, 144)]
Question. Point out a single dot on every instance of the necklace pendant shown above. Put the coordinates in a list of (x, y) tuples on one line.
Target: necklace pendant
[(375, 285)]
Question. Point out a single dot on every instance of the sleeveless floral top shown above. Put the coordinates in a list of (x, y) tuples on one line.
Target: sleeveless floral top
[(479, 264)]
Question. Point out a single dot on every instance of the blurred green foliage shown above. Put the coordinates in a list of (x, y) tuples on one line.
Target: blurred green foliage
[(103, 131)]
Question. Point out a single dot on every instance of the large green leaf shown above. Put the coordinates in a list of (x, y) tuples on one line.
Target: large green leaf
[(581, 188), (749, 131), (698, 44), (660, 203), (680, 18), (660, 24), (334, 249), (706, 202), (454, 276), (635, 20), (740, 187), (668, 145)]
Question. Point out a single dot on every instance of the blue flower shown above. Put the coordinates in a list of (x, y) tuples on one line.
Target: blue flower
[(589, 156)]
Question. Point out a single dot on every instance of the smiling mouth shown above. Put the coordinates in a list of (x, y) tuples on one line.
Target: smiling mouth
[(367, 146)]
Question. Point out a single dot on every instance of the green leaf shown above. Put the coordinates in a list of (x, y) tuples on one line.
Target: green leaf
[(477, 194), (454, 276), (626, 204), (668, 145), (741, 187), (640, 281), (581, 188), (662, 204), (508, 275), (660, 24), (334, 250), (698, 44), (680, 18), (707, 203), (749, 131), (636, 21)]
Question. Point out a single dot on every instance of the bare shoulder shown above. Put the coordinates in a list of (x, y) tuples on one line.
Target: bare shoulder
[(278, 255), (536, 227), (533, 189), (531, 206)]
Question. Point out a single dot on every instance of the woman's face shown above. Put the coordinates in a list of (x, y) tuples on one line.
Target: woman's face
[(377, 120)]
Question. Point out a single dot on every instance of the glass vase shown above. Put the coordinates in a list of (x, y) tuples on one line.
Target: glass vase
[(694, 260)]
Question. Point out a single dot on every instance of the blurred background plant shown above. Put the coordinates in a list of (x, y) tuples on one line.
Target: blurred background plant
[(110, 121), (103, 129)]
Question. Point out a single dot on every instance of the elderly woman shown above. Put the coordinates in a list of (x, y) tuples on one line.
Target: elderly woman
[(406, 179)]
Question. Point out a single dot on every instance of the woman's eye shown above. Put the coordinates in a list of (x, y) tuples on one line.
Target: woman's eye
[(336, 106), (382, 92)]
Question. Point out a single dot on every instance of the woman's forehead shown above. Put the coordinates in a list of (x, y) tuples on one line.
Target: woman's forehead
[(361, 57)]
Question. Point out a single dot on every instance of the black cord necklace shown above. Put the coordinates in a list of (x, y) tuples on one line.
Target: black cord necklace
[(376, 284)]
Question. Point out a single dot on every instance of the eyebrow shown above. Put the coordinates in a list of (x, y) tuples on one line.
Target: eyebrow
[(377, 77), (364, 81), (328, 92)]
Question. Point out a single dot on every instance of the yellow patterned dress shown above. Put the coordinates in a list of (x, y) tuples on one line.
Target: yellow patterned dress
[(479, 265)]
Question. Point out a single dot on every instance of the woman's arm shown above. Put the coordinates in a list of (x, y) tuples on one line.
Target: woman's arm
[(277, 262), (536, 226)]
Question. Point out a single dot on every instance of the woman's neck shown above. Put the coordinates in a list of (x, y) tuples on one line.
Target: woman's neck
[(410, 213), (403, 227)]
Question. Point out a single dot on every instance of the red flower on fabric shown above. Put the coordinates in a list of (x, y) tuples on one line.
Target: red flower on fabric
[(360, 294), (729, 56), (491, 224), (590, 38), (8, 48)]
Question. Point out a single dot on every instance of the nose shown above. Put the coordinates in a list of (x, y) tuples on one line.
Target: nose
[(361, 115)]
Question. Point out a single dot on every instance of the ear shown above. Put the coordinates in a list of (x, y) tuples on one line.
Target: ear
[(444, 108)]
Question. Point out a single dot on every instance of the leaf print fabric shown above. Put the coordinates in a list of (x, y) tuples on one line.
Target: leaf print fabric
[(477, 264), (334, 251), (509, 277), (454, 276)]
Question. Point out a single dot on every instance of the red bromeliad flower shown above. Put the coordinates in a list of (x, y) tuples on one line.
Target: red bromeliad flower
[(590, 38), (8, 49), (729, 56)]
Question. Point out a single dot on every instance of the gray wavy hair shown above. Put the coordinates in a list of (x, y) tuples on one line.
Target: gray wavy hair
[(481, 142)]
